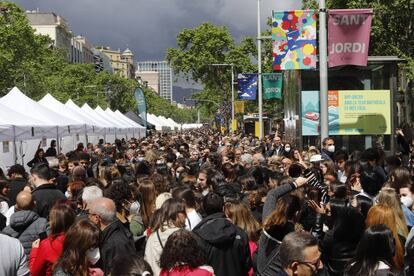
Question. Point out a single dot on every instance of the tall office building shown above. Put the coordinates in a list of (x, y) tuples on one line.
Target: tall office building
[(165, 76)]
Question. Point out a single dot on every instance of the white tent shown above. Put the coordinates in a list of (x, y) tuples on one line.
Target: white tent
[(23, 104), (191, 126), (122, 129), (172, 122), (51, 103), (137, 128), (17, 126), (152, 119), (110, 128)]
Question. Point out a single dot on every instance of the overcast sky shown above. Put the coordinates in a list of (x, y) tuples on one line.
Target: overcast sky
[(149, 27)]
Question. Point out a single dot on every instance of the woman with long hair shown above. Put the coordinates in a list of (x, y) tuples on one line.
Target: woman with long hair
[(382, 214), (183, 256), (46, 251), (148, 194), (171, 217), (374, 254), (389, 197), (80, 250), (39, 157), (187, 195), (275, 227), (241, 216)]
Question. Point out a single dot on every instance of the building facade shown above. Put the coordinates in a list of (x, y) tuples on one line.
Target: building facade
[(121, 63), (54, 26), (152, 78), (165, 76), (82, 50)]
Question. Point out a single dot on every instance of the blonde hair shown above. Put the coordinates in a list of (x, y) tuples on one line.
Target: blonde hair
[(389, 197), (240, 215), (383, 214)]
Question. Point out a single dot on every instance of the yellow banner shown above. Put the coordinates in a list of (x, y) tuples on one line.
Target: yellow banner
[(234, 125), (257, 129), (238, 107), (360, 112)]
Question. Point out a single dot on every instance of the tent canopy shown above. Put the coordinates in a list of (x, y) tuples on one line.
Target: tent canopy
[(134, 117)]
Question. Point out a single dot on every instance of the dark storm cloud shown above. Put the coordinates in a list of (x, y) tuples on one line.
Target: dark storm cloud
[(149, 27)]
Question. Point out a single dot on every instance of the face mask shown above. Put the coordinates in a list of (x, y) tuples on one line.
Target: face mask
[(287, 149), (331, 148), (68, 194), (140, 159), (93, 255), (177, 175), (134, 208), (407, 201)]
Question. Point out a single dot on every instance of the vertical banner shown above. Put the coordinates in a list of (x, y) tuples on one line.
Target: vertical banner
[(234, 125), (141, 104), (294, 39), (246, 86), (238, 107), (272, 86), (348, 37), (257, 129)]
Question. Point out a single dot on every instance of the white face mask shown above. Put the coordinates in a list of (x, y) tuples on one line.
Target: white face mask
[(68, 194), (287, 149), (407, 201), (134, 208), (93, 255), (331, 148)]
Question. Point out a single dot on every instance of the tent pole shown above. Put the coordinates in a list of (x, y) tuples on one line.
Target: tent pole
[(86, 135), (14, 145), (57, 140)]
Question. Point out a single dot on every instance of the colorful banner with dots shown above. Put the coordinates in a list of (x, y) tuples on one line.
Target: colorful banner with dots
[(294, 40)]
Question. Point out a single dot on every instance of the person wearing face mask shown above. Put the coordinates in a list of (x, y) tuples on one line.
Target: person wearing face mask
[(116, 240), (80, 251), (299, 255), (328, 149)]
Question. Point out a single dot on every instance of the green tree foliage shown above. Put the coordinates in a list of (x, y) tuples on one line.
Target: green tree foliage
[(29, 62), (203, 46)]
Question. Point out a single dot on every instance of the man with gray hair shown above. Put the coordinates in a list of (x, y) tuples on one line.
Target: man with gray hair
[(117, 240), (246, 161), (299, 255)]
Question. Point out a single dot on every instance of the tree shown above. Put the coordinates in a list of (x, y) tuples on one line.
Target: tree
[(203, 46)]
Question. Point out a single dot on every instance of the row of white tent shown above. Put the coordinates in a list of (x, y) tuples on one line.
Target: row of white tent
[(162, 123), (22, 118)]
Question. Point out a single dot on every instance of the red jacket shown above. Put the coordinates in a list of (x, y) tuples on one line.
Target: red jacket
[(43, 257), (185, 270)]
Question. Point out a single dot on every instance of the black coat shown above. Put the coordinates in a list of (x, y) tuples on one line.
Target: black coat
[(26, 226), (37, 160), (16, 186), (225, 245), (117, 242), (45, 197)]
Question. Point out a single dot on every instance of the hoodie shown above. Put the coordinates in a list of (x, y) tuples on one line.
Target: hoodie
[(26, 226), (226, 246)]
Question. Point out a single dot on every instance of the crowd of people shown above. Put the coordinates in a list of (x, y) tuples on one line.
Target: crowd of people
[(201, 203)]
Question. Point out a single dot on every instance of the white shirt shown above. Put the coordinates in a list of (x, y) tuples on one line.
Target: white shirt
[(4, 207), (193, 218), (8, 215)]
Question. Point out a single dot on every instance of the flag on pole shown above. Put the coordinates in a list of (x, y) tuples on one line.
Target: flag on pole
[(238, 107), (348, 37), (272, 86), (294, 39), (247, 86), (141, 103)]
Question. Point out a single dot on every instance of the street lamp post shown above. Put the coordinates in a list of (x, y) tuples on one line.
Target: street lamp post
[(259, 71), (232, 88)]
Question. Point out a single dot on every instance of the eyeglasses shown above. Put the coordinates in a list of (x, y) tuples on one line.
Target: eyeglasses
[(312, 265)]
